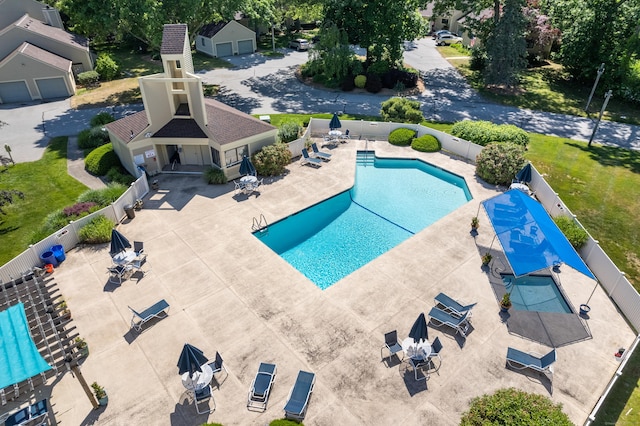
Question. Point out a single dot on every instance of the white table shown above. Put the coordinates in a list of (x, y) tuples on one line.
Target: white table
[(124, 257), (335, 133), (248, 180), (199, 380), (420, 350), (521, 186)]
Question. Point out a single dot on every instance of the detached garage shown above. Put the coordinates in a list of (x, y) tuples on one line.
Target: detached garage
[(43, 74), (222, 39)]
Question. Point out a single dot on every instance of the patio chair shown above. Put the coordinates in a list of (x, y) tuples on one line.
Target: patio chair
[(137, 264), (261, 386), (438, 317), (319, 154), (521, 360), (217, 366), (119, 273), (436, 347), (298, 398), (138, 247), (391, 344), (203, 395), (158, 310), (417, 363), (452, 306), (309, 160)]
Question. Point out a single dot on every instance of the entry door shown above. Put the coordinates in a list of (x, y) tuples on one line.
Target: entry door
[(192, 155)]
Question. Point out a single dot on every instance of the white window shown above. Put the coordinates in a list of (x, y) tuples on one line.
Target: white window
[(234, 156)]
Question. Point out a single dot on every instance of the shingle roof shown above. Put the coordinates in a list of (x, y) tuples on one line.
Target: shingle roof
[(126, 126), (39, 54), (181, 128), (173, 37), (212, 29), (227, 124), (33, 25)]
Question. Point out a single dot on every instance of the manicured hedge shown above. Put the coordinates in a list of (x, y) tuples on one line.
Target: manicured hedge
[(101, 159), (498, 163), (272, 159), (426, 143), (289, 131), (485, 132), (401, 136)]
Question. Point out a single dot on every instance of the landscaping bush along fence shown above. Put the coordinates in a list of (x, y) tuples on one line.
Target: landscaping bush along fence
[(67, 237)]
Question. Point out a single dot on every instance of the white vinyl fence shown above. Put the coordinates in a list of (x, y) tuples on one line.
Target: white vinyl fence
[(68, 236)]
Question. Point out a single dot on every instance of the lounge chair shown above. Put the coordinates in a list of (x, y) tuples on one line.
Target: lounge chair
[(34, 415), (452, 306), (261, 386), (203, 395), (391, 344), (119, 273), (316, 162), (438, 317), (298, 398), (158, 310), (521, 360), (319, 154)]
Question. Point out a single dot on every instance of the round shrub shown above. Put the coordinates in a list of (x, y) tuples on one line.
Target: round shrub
[(92, 138), (106, 67), (373, 84), (498, 163), (289, 131), (102, 118), (514, 407), (214, 175), (575, 233), (360, 81), (401, 110), (88, 78), (103, 196), (97, 231), (485, 132), (426, 143), (101, 159), (348, 84), (401, 136), (272, 159)]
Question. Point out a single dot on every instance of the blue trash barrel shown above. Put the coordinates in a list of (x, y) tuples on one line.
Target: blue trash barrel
[(48, 257), (58, 252)]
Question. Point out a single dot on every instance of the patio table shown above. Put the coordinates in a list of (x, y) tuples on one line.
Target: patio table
[(124, 257), (199, 379), (420, 350)]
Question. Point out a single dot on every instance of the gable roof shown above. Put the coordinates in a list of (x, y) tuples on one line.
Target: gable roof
[(173, 39), (226, 124), (38, 54), (212, 29), (181, 128), (32, 25), (126, 126)]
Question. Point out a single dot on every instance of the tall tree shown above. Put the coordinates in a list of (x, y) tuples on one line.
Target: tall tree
[(506, 47)]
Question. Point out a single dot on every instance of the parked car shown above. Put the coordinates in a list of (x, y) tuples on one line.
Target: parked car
[(437, 33), (447, 39), (299, 44)]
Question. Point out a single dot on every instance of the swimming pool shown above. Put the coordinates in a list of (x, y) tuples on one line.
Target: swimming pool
[(538, 293), (391, 200)]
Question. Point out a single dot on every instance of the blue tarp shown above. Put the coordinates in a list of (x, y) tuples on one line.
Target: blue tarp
[(529, 237), (19, 356)]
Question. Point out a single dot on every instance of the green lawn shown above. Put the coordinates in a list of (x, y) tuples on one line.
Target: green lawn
[(47, 187)]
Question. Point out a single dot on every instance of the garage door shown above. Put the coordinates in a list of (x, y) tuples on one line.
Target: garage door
[(52, 88), (15, 91), (245, 46), (224, 49)]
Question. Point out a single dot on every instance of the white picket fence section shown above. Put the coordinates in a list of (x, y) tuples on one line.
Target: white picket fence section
[(68, 236)]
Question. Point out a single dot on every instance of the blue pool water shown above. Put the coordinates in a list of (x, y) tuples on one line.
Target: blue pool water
[(538, 293), (391, 200)]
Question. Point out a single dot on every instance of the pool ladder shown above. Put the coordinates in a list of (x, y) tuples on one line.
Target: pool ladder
[(260, 225)]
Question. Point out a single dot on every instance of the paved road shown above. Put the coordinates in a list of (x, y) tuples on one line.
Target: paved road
[(262, 85)]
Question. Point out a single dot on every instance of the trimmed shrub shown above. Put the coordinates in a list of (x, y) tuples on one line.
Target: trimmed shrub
[(92, 138), (102, 118), (97, 231), (576, 234), (478, 60), (360, 81), (348, 84), (285, 422), (289, 131), (106, 67), (401, 136), (214, 175), (498, 163), (379, 68), (272, 159), (103, 196), (101, 159), (514, 407), (426, 143), (88, 78), (373, 84), (119, 175), (401, 110), (485, 132)]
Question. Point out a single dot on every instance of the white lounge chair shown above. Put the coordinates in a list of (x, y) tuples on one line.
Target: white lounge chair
[(438, 317), (319, 154), (158, 310)]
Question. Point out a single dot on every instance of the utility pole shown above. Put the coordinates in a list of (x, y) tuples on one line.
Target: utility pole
[(607, 96), (600, 71)]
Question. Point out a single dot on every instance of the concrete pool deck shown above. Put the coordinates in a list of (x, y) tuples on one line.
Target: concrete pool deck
[(230, 293)]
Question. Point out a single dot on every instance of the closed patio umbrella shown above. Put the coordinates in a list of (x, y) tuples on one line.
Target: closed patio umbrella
[(335, 122), (247, 167), (118, 243), (191, 358), (524, 175), (419, 330)]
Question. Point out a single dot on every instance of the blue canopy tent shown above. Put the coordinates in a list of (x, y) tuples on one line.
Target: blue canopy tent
[(528, 235), (19, 355)]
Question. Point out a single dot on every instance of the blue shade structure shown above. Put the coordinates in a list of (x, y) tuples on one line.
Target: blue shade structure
[(19, 356), (419, 330), (191, 358), (335, 122), (118, 243), (247, 167), (528, 235), (524, 175)]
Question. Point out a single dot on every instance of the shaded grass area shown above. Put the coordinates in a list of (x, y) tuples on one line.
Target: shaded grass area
[(47, 187), (303, 119)]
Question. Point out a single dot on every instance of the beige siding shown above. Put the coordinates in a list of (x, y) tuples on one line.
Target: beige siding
[(232, 32), (123, 152), (157, 103), (196, 102), (25, 68), (204, 45)]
